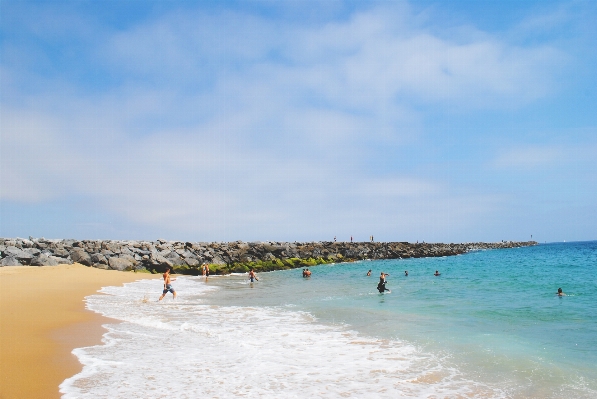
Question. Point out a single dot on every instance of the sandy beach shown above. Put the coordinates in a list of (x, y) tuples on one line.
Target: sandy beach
[(42, 319)]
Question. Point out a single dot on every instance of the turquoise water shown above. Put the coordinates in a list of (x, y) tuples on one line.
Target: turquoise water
[(493, 315)]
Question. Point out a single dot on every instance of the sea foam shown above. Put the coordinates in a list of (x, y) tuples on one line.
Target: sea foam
[(187, 348)]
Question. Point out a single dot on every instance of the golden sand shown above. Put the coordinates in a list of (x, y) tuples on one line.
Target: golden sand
[(42, 319)]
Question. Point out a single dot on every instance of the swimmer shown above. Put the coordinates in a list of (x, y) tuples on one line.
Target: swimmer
[(167, 284), (437, 273), (307, 273), (252, 276), (304, 272), (381, 287), (369, 273), (560, 293), (406, 273)]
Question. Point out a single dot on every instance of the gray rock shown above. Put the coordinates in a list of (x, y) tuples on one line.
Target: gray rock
[(172, 256), (32, 251), (63, 253), (43, 260), (159, 260), (101, 266), (120, 263), (18, 254), (192, 262), (107, 253), (98, 258), (217, 261), (10, 261), (177, 261), (82, 257), (128, 258)]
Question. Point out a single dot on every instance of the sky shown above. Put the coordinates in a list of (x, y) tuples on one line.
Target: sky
[(299, 120)]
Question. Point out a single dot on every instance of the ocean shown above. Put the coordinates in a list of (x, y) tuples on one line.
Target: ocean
[(490, 326)]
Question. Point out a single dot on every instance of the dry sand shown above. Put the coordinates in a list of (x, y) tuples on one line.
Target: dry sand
[(43, 318)]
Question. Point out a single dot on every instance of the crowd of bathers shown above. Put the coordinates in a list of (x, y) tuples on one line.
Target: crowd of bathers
[(381, 286)]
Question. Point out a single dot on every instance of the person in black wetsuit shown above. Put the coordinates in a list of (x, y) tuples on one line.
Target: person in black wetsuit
[(381, 287)]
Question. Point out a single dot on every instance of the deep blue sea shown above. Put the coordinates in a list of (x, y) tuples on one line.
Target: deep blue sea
[(490, 326)]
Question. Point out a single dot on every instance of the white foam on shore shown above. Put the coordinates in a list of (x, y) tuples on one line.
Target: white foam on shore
[(185, 348)]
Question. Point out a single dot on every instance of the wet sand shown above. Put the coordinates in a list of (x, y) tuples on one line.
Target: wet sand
[(43, 318)]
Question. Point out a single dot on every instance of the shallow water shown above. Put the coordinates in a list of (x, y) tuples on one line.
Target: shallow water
[(489, 326)]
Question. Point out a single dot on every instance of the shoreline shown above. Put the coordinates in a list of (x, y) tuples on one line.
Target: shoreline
[(43, 318)]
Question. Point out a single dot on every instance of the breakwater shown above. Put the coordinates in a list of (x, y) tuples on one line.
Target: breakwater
[(222, 258)]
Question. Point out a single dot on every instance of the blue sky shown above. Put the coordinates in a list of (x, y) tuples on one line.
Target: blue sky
[(425, 120)]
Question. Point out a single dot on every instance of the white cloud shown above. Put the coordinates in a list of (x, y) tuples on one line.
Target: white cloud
[(235, 124), (529, 157)]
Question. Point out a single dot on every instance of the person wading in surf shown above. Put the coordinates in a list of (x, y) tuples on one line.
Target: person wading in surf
[(167, 285), (381, 287), (252, 276)]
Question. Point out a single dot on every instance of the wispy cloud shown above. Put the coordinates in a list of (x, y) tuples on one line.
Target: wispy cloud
[(238, 124)]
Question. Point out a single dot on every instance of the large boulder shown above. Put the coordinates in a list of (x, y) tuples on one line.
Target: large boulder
[(192, 262), (22, 256), (43, 260), (99, 259), (63, 253), (82, 257), (120, 264), (177, 261), (128, 258), (32, 251), (159, 260), (10, 261)]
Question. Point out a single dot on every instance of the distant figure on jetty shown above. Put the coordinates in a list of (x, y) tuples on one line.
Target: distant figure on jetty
[(167, 285), (406, 273), (369, 273), (334, 238), (253, 276), (437, 273), (560, 293), (381, 287), (350, 238)]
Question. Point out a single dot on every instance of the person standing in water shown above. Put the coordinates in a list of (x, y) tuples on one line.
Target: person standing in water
[(437, 273), (167, 285), (369, 273), (381, 287), (560, 293), (406, 273), (206, 270), (253, 276)]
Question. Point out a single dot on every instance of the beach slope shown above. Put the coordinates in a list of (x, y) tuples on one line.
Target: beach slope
[(43, 318)]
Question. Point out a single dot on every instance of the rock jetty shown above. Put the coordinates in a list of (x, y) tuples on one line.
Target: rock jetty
[(223, 258)]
